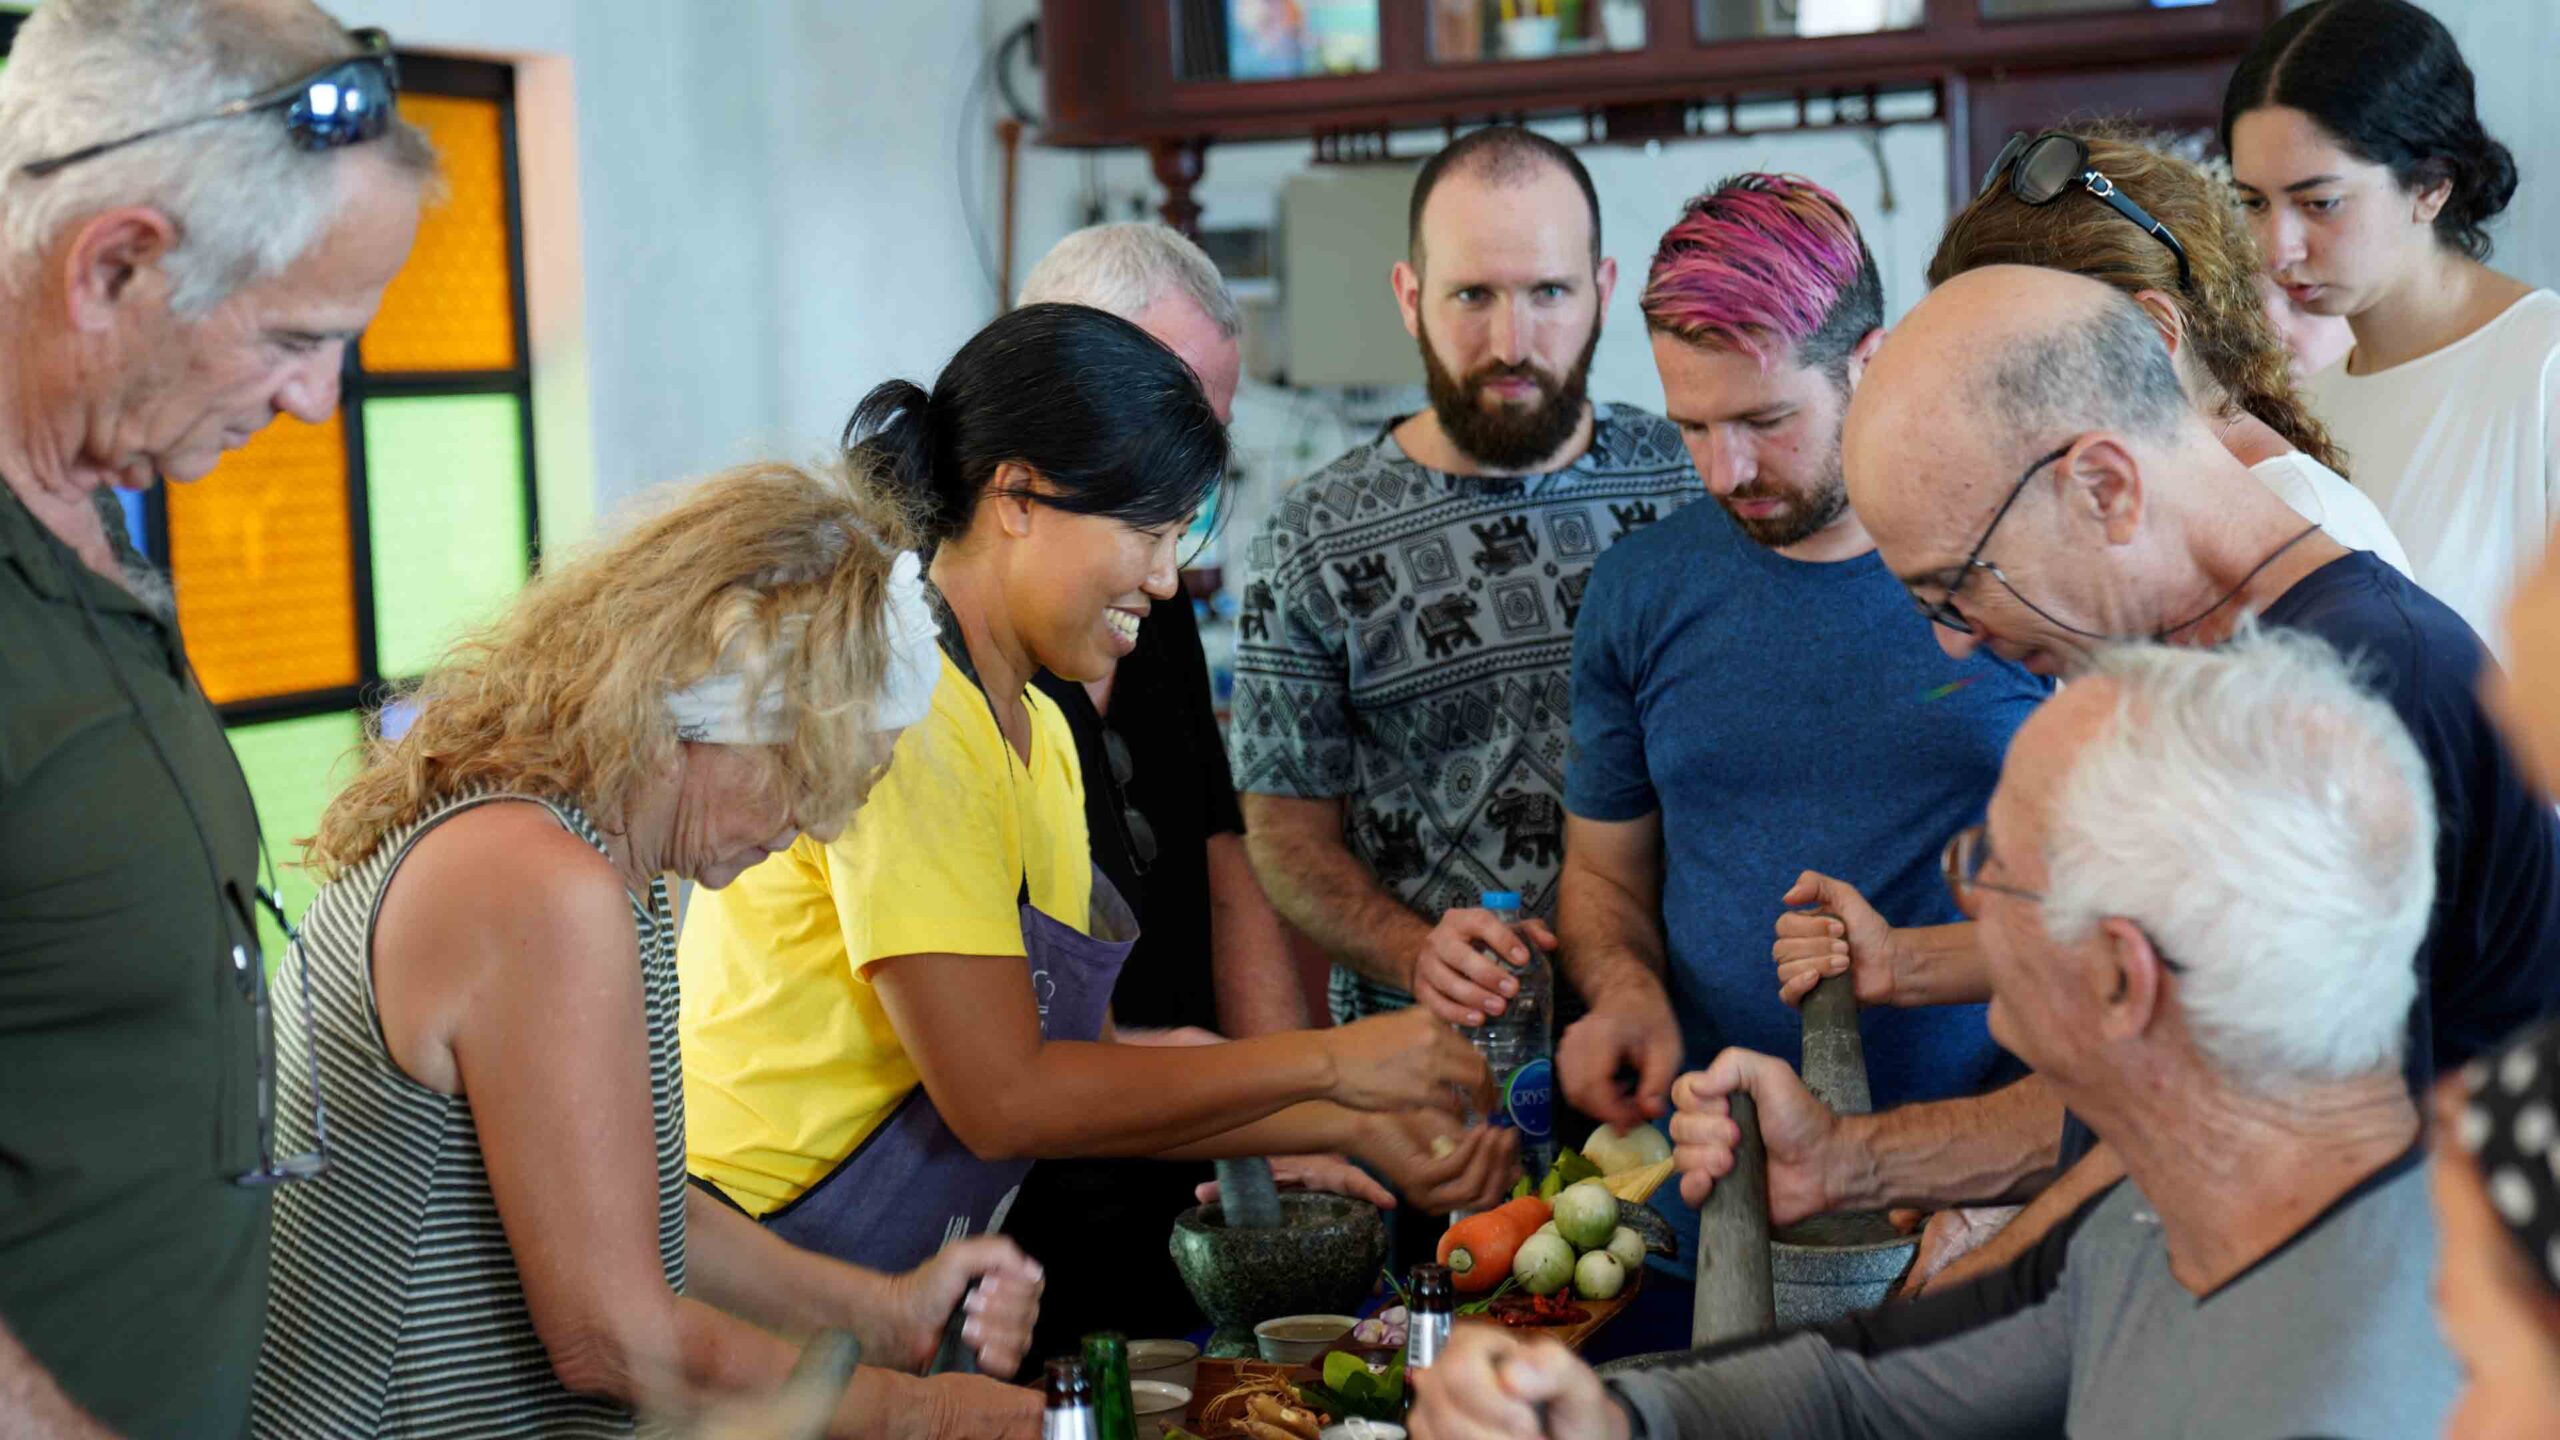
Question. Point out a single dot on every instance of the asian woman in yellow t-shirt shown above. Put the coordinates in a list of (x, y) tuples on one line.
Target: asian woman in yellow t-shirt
[(882, 1032)]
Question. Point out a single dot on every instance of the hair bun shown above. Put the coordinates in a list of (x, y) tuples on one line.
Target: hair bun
[(2488, 182)]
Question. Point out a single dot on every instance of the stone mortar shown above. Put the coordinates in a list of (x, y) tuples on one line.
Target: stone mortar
[(1323, 1259), (1817, 1283)]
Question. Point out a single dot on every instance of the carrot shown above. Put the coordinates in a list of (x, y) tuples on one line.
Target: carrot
[(1478, 1249)]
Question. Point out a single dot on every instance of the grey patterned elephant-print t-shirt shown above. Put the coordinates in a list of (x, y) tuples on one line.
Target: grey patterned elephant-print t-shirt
[(1405, 643)]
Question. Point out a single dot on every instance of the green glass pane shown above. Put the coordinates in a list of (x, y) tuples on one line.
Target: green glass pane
[(295, 768), (444, 486)]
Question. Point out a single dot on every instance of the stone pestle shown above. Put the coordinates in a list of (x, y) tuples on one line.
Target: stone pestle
[(1835, 1059), (1830, 1265), (1734, 1296), (1751, 1279), (1247, 1196)]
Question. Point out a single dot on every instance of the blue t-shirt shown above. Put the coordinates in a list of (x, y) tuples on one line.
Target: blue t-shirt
[(1783, 717), (2491, 960)]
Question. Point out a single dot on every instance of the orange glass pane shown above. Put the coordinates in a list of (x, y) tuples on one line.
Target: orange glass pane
[(452, 307), (265, 577)]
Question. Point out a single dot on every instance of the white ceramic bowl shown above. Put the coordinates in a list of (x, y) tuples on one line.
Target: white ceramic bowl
[(1158, 1405), (1175, 1362), (1299, 1339)]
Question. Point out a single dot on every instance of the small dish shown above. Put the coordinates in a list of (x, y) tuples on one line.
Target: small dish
[(1175, 1362), (1158, 1404), (1359, 1429), (1297, 1339)]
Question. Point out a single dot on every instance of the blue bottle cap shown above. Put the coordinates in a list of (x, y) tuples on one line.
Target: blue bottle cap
[(1500, 900)]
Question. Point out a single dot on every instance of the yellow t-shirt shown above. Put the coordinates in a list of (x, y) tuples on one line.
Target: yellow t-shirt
[(789, 1060)]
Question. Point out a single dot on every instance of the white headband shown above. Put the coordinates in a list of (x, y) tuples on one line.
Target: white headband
[(715, 709)]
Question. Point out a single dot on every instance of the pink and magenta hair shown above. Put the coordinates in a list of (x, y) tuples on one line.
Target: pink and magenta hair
[(1771, 265)]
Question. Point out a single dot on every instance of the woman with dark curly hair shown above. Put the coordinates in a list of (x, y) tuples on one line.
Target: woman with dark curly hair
[(2360, 159)]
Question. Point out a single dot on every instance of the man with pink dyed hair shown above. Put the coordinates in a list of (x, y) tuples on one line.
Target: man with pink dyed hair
[(1753, 693)]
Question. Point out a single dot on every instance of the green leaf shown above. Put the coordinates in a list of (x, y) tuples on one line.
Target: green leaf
[(1573, 1167), (1520, 1188), (1478, 1307), (1340, 1366), (1317, 1397)]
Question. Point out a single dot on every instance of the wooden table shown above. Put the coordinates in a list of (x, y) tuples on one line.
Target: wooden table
[(1217, 1377)]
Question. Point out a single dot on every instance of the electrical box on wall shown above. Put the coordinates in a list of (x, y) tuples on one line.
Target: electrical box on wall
[(1342, 229)]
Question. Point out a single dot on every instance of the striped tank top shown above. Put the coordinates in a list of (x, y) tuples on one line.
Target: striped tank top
[(394, 1306)]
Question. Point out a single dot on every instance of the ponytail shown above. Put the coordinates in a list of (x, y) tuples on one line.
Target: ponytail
[(890, 435)]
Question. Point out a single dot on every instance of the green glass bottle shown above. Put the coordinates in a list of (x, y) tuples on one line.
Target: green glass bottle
[(1106, 1363)]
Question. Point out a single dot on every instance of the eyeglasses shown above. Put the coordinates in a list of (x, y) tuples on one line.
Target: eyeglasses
[(250, 966), (1960, 865), (1133, 826), (345, 102), (2045, 167), (1943, 611)]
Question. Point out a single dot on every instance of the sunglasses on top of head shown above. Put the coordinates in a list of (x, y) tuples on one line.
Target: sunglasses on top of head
[(345, 102), (2043, 168)]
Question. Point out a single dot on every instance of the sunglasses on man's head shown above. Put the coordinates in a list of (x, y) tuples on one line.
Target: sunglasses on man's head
[(2043, 168), (345, 102)]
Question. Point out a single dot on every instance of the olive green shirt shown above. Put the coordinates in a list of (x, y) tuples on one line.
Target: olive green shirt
[(131, 1264)]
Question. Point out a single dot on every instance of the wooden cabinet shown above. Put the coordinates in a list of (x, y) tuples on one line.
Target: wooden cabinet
[(1177, 76)]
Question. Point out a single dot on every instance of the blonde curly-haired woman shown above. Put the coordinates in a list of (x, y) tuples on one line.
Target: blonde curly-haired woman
[(504, 1243)]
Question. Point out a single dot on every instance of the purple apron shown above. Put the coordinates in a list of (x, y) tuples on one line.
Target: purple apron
[(888, 1204)]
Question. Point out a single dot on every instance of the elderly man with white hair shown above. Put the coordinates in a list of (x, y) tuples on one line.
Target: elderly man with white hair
[(200, 204), (2029, 467), (1160, 803), (2199, 891)]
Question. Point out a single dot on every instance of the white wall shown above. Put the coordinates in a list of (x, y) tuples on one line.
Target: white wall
[(2512, 47), (738, 215)]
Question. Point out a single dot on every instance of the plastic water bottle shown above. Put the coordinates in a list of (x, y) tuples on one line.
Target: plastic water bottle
[(1518, 1046)]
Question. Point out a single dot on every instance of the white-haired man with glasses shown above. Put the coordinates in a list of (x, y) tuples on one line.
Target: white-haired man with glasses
[(2258, 814), (2029, 468), (201, 202)]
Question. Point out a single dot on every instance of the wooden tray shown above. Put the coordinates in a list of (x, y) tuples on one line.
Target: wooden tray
[(1217, 1377)]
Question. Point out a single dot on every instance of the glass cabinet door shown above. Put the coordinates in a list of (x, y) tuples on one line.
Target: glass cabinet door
[(1464, 31), (1274, 39), (1764, 19), (2039, 9)]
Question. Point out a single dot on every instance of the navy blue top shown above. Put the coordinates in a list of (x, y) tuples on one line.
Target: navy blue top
[(1785, 716), (2491, 960)]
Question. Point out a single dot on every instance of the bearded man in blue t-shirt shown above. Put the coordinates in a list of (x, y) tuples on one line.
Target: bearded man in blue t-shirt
[(1752, 692)]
